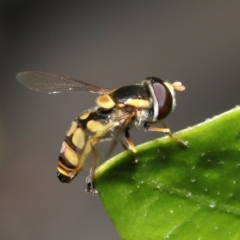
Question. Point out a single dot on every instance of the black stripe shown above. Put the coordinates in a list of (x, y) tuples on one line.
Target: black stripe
[(81, 123), (68, 141), (65, 162), (99, 114)]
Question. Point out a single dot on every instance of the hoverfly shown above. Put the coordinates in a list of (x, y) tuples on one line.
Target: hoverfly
[(136, 105)]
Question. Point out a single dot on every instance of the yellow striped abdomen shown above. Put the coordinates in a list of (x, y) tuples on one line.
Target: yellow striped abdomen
[(84, 132)]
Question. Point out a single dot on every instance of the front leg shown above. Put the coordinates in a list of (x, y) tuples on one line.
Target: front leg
[(165, 130)]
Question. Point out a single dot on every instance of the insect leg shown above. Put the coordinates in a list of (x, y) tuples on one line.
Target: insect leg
[(165, 130), (90, 182), (130, 143), (89, 179), (125, 147)]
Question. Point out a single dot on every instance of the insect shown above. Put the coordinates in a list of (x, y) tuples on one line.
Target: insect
[(116, 112)]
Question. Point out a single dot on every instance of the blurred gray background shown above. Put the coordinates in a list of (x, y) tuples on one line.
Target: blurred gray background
[(109, 43)]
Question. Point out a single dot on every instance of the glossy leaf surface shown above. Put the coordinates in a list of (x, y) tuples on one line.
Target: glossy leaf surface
[(177, 192)]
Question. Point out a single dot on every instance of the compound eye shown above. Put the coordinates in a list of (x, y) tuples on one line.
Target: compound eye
[(164, 98), (63, 178)]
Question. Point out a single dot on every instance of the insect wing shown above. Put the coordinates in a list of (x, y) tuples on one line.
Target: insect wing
[(102, 148), (106, 148), (53, 83)]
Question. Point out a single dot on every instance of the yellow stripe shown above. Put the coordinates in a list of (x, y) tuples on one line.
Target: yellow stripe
[(95, 126), (71, 129), (105, 101), (84, 115), (63, 166), (70, 155), (138, 103), (62, 170), (78, 138)]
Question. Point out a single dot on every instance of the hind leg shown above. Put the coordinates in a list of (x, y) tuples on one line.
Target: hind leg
[(89, 179)]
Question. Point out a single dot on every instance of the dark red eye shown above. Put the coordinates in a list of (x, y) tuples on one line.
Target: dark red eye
[(163, 97)]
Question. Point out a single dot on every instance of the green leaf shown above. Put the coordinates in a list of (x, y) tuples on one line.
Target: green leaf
[(178, 192)]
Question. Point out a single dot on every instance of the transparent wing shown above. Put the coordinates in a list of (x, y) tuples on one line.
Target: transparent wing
[(106, 144), (54, 83), (125, 120)]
